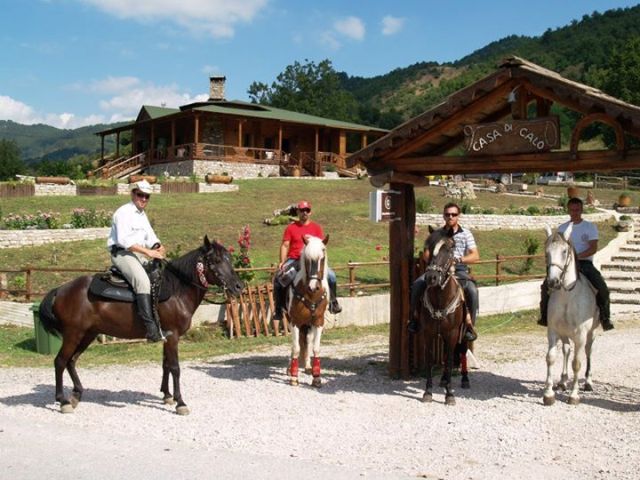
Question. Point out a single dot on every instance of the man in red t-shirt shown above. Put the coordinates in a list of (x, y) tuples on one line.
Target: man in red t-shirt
[(290, 251)]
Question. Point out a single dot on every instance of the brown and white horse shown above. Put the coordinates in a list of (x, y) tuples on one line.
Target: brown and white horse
[(307, 304)]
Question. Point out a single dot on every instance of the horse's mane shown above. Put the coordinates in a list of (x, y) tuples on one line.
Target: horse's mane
[(314, 249), (434, 237), (181, 271)]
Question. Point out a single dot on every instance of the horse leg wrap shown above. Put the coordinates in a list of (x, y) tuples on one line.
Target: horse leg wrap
[(463, 363), (293, 368), (315, 367)]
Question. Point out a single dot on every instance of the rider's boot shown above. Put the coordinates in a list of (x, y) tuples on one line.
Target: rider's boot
[(544, 303), (470, 334), (334, 306), (145, 312)]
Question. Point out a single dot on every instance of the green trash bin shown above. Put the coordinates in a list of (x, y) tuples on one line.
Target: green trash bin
[(46, 343)]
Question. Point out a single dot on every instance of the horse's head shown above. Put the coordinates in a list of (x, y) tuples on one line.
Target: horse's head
[(313, 261), (560, 255), (218, 267), (440, 245)]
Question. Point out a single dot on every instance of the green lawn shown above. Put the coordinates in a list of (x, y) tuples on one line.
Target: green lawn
[(341, 207)]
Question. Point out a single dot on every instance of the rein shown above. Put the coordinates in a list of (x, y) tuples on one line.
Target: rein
[(299, 289)]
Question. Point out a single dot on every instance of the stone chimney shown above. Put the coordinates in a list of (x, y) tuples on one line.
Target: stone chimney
[(216, 88)]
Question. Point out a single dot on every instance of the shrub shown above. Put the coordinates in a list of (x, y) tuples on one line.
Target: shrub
[(563, 200), (241, 259), (533, 210), (424, 205), (39, 221), (87, 218), (466, 208)]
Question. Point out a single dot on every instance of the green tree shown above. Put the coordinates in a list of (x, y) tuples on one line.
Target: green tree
[(309, 88), (10, 161)]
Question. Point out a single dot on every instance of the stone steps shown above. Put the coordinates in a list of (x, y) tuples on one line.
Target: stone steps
[(625, 298), (624, 286)]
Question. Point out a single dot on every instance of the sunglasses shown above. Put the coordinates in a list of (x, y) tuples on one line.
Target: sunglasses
[(143, 195), (305, 210), (450, 214)]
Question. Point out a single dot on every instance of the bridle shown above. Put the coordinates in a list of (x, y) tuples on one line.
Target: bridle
[(445, 274), (300, 292), (563, 268), (203, 264)]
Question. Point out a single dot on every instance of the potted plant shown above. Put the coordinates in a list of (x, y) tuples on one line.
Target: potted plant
[(624, 224), (624, 200)]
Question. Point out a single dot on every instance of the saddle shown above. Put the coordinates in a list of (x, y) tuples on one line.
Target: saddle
[(111, 284)]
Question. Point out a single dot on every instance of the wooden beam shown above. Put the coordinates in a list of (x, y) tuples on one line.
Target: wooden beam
[(455, 120), (381, 179), (586, 161), (597, 117)]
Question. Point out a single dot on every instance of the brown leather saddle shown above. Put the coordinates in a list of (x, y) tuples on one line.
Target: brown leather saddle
[(111, 284)]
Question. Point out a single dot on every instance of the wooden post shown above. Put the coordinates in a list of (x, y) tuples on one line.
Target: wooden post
[(498, 268), (101, 148), (152, 152), (28, 284), (196, 134), (173, 139), (401, 242), (117, 144), (239, 132), (352, 280)]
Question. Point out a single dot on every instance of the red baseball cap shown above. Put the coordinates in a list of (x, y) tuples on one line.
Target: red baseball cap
[(304, 204)]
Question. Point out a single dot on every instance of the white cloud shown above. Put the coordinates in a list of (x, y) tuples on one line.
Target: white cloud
[(213, 17), (124, 97), (329, 39), (392, 25), (351, 27)]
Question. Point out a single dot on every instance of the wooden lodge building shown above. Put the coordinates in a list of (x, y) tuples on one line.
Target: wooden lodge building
[(240, 138), (499, 124)]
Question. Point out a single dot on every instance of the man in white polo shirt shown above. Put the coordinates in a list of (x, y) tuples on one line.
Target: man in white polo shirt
[(132, 243), (584, 237)]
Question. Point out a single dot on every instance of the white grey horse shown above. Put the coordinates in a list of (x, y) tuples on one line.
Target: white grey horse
[(573, 314)]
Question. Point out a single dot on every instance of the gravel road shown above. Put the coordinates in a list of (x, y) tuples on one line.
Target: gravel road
[(247, 422)]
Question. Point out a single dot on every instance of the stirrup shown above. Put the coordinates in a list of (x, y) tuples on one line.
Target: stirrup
[(542, 322), (413, 326), (607, 326), (334, 307), (470, 334)]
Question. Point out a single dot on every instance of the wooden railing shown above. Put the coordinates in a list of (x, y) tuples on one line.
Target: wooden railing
[(121, 166)]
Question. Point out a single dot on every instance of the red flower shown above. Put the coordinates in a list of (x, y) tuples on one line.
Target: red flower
[(378, 247), (231, 250)]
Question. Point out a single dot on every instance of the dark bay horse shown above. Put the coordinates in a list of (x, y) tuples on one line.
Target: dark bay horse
[(442, 312), (307, 304), (79, 316)]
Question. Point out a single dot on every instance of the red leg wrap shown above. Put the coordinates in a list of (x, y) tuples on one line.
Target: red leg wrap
[(315, 367), (293, 368), (463, 364)]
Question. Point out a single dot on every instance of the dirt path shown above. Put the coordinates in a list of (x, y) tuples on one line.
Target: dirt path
[(247, 422)]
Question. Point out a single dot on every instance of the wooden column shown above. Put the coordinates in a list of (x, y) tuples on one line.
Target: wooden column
[(153, 144), (363, 140), (342, 147), (317, 140), (117, 144), (134, 146), (280, 137), (401, 240), (173, 138), (196, 136), (239, 133), (101, 148)]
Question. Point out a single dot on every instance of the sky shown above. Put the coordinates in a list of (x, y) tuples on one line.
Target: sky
[(71, 63)]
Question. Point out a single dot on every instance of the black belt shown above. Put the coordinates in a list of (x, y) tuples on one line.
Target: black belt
[(115, 249)]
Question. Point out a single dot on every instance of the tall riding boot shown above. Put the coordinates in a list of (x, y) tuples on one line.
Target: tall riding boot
[(605, 314), (334, 306), (544, 304), (416, 292), (278, 300), (145, 312)]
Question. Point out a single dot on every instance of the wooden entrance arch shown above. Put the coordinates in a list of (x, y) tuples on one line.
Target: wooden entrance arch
[(501, 102)]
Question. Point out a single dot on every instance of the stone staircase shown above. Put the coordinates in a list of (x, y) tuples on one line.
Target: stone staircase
[(622, 274)]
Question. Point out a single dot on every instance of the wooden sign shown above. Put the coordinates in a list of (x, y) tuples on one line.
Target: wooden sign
[(515, 136), (381, 206)]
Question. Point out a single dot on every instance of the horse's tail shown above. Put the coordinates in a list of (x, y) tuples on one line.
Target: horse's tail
[(47, 318)]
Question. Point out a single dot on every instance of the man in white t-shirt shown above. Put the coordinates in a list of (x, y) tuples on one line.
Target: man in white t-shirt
[(584, 237)]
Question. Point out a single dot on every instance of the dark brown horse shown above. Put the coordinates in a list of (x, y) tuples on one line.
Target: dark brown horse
[(79, 316), (307, 304), (442, 312)]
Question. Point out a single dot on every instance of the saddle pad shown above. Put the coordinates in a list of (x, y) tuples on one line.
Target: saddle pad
[(102, 288)]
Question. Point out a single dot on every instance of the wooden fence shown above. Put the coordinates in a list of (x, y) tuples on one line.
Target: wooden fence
[(617, 183), (8, 190), (179, 187)]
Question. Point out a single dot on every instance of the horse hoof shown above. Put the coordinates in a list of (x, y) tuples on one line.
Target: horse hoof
[(588, 387), (168, 400), (548, 400), (465, 383), (450, 400), (427, 398), (293, 382), (66, 408), (74, 401), (574, 400), (182, 410), (316, 382)]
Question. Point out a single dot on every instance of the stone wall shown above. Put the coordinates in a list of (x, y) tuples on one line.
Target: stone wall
[(30, 238), (45, 189), (508, 222), (202, 167)]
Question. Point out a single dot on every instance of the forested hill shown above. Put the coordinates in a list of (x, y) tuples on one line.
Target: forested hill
[(43, 142), (581, 51)]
